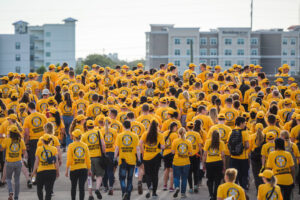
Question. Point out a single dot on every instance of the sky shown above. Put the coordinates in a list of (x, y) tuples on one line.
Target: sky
[(107, 26)]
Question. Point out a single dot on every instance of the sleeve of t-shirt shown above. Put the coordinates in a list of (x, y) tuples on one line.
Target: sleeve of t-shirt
[(174, 145), (162, 141), (243, 195), (222, 146), (220, 192), (290, 160), (4, 143), (26, 124), (37, 151), (269, 162), (23, 146), (206, 146)]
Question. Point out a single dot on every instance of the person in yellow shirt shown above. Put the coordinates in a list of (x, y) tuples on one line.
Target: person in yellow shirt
[(238, 145), (94, 109), (128, 150), (59, 127), (95, 141), (202, 116), (14, 147), (182, 149), (115, 124), (42, 104), (282, 165), (184, 106), (169, 137), (46, 168), (151, 144), (230, 113), (267, 148), (295, 131), (78, 163), (33, 130), (229, 189), (272, 126), (136, 127), (269, 190), (214, 162), (197, 144)]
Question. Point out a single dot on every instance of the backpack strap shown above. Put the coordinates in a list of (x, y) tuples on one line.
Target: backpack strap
[(45, 152), (100, 144), (270, 195)]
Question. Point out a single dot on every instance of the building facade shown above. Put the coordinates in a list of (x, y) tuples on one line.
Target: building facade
[(223, 46), (33, 46)]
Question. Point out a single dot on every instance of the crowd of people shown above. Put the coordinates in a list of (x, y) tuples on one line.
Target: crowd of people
[(222, 125)]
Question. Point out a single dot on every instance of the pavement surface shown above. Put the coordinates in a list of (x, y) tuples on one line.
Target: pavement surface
[(62, 188)]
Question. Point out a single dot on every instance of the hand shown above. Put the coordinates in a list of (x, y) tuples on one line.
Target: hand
[(204, 167), (57, 173), (115, 162), (67, 173), (89, 172), (223, 171)]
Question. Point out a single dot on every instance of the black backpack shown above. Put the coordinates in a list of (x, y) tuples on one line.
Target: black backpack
[(235, 143), (256, 153)]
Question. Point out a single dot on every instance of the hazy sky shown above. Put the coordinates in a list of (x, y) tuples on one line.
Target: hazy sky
[(120, 25)]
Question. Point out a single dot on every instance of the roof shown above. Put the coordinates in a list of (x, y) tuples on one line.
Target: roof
[(20, 22), (70, 19)]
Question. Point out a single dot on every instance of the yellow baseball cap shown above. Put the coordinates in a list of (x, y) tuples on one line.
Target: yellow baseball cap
[(192, 65), (259, 126), (5, 78), (291, 79), (80, 117), (221, 116), (52, 110), (46, 137), (267, 174), (257, 67), (93, 85), (90, 123), (140, 65), (260, 114), (270, 136), (279, 80), (78, 77), (190, 124), (12, 116), (298, 117), (218, 67), (66, 69), (10, 74), (287, 101), (13, 129), (77, 133), (51, 66)]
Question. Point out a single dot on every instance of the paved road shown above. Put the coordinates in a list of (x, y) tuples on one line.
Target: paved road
[(62, 190)]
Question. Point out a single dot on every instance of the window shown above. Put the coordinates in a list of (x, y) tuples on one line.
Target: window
[(18, 57), (31, 57), (254, 62), (188, 52), (240, 52), (177, 52), (293, 52), (213, 52), (48, 34), (213, 41), (228, 52), (240, 41), (203, 52), (254, 41), (48, 44), (31, 46), (293, 41), (227, 63), (240, 62), (213, 62), (203, 41), (177, 63), (284, 41), (48, 54), (47, 63), (284, 62), (203, 61), (18, 69), (293, 63), (284, 52), (189, 40), (228, 41), (254, 52), (18, 45)]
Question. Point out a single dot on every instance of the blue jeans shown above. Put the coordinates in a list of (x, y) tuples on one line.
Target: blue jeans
[(67, 122), (109, 172), (181, 172), (123, 170)]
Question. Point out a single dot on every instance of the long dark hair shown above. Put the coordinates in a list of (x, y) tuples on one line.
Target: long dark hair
[(56, 116), (58, 96), (152, 133), (25, 98), (48, 82), (15, 136), (198, 127), (68, 99), (171, 127), (215, 140), (262, 121)]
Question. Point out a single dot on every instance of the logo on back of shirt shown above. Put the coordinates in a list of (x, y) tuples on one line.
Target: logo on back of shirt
[(233, 192), (182, 148), (270, 149), (81, 106), (229, 116), (273, 197), (161, 83), (280, 161), (136, 129), (115, 126), (43, 106), (36, 121), (191, 138), (79, 152), (146, 123), (75, 88), (14, 147), (126, 140), (108, 137), (164, 115), (44, 155), (222, 133), (96, 110), (212, 152), (92, 138)]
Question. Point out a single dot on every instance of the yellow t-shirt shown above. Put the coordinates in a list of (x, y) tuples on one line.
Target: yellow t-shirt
[(35, 123), (65, 110), (151, 150), (137, 128), (195, 140), (274, 129), (109, 139), (295, 132), (231, 190), (264, 191), (206, 121), (230, 115), (182, 149), (93, 110), (92, 140), (245, 136), (267, 149), (169, 141), (127, 143), (280, 162), (43, 164), (115, 124), (213, 155), (14, 149), (78, 156), (224, 131)]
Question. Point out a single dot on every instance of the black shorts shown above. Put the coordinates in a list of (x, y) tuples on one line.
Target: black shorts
[(168, 160)]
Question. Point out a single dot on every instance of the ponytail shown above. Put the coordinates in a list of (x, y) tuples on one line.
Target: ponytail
[(48, 82), (182, 133), (259, 140)]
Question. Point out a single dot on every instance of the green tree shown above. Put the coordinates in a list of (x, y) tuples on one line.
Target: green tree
[(101, 60), (41, 70)]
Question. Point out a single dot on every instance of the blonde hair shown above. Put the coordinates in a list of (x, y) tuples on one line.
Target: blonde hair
[(186, 95), (231, 174), (49, 128), (259, 139), (213, 113), (182, 133), (286, 136)]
